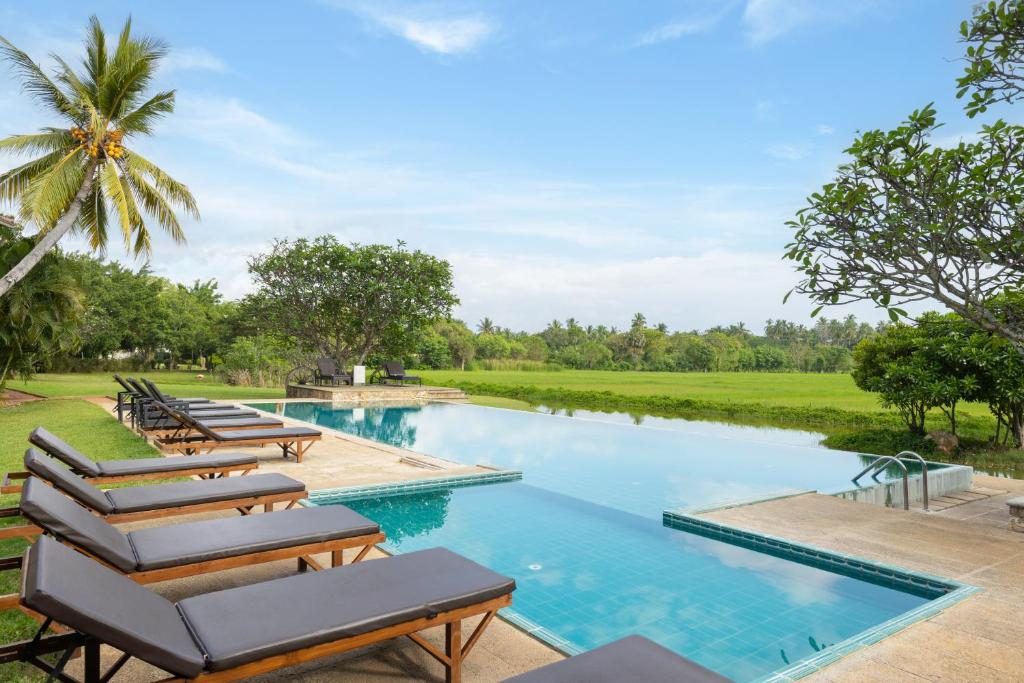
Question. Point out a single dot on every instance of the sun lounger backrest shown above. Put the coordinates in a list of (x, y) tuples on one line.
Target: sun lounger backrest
[(155, 392), (394, 369), (326, 366), (78, 592), (48, 469), (187, 420), (120, 380), (65, 519), (139, 388), (63, 451)]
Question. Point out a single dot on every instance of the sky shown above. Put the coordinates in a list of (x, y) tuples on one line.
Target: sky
[(571, 159)]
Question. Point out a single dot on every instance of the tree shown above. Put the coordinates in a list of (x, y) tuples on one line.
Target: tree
[(995, 53), (39, 317), (348, 301), (461, 343), (86, 170), (486, 326), (905, 221)]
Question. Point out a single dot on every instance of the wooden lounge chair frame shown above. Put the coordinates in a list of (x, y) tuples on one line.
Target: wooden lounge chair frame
[(244, 505), (190, 443), (175, 433), (302, 553), (8, 484), (455, 650)]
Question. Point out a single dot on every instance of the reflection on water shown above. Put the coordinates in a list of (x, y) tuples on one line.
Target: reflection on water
[(665, 464), (591, 574)]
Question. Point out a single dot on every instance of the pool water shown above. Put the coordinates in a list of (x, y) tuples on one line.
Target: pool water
[(582, 533)]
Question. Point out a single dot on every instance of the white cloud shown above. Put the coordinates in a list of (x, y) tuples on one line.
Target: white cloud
[(681, 27), (824, 129), (192, 59), (427, 26), (766, 20), (787, 152)]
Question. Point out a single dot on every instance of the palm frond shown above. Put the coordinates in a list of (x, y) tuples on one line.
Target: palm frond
[(142, 118), (96, 50), (123, 202), (154, 203), (93, 220), (129, 73), (85, 95), (50, 194), (176, 192), (14, 182), (49, 140), (36, 83)]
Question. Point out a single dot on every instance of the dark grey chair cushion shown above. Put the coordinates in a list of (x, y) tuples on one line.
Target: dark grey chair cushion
[(244, 624), (65, 519), (175, 494), (78, 592), (237, 423), (631, 659), (45, 467), (283, 433), (63, 451), (213, 539), (117, 468)]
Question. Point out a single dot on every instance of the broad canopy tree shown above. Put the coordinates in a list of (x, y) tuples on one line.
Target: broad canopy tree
[(906, 221), (350, 301)]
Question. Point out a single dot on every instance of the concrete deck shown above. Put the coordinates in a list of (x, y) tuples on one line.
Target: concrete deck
[(976, 640)]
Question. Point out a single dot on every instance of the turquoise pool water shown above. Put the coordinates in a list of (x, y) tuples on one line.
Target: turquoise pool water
[(582, 532)]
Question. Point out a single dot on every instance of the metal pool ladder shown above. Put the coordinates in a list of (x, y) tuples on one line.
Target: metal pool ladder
[(879, 463)]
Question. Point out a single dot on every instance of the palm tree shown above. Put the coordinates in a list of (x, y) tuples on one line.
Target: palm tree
[(86, 170), (486, 326)]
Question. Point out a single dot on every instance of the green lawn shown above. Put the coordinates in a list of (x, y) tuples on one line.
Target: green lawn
[(176, 383), (798, 390), (88, 428)]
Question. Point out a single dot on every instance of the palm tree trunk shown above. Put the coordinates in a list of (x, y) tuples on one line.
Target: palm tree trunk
[(50, 239)]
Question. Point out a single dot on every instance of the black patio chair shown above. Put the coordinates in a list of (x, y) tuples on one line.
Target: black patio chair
[(393, 371), (327, 371)]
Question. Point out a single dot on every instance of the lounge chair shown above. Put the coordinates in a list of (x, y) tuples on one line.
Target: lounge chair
[(393, 371), (146, 416), (634, 658), (159, 500), (192, 404), (195, 437), (138, 469), (178, 550), (238, 633), (327, 371)]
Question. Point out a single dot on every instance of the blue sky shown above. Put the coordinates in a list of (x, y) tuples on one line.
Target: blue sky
[(570, 159)]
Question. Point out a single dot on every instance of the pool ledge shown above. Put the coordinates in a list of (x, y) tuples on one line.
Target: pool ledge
[(343, 493), (952, 591)]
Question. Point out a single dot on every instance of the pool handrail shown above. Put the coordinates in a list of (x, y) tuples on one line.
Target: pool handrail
[(876, 466)]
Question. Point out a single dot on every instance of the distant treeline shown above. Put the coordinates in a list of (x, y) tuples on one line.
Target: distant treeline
[(784, 347)]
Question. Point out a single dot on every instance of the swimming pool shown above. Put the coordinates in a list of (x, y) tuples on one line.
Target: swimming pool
[(582, 533)]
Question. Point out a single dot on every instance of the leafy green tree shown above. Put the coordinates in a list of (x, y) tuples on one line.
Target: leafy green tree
[(995, 54), (432, 351), (905, 221), (491, 346), (86, 172), (460, 340), (348, 301), (40, 315)]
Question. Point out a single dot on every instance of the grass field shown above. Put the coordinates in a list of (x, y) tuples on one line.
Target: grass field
[(88, 428), (795, 390), (175, 383)]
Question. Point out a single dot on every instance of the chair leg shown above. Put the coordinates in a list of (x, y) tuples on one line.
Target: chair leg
[(337, 558), (92, 662), (453, 648)]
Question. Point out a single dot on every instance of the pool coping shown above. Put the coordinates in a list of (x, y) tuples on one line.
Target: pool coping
[(342, 493), (830, 560)]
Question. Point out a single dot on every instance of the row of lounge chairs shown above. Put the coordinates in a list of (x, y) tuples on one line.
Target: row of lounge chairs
[(85, 577), (197, 425)]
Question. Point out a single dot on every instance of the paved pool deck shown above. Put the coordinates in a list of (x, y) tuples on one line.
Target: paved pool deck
[(978, 639)]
